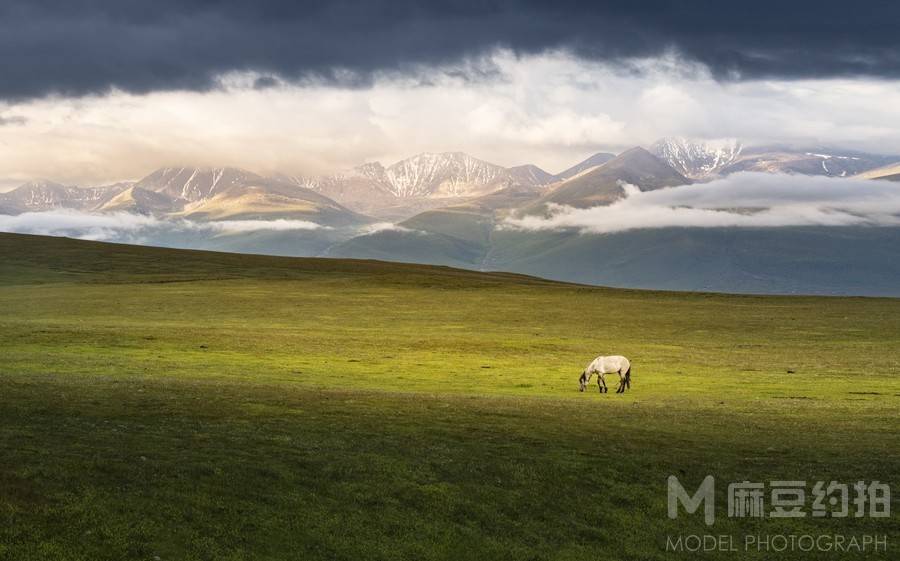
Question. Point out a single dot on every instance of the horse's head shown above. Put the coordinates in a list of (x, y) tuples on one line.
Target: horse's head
[(582, 382)]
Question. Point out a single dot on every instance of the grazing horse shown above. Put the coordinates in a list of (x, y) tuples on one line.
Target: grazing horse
[(603, 365)]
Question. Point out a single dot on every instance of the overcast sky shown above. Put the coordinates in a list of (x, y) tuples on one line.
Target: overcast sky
[(95, 91)]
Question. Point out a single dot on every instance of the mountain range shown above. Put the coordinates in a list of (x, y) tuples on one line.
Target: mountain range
[(450, 209), (427, 181), (421, 182), (192, 193), (700, 160)]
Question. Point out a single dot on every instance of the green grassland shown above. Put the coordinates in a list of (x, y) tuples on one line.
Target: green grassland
[(192, 405)]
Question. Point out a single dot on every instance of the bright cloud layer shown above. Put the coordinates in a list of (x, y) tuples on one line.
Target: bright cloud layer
[(551, 109), (127, 227), (744, 200)]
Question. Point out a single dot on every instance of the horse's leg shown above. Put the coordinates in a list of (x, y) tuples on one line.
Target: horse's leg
[(587, 380), (621, 383), (601, 382)]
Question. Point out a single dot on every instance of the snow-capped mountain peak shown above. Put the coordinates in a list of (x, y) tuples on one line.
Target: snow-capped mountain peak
[(697, 159), (426, 175), (42, 195), (446, 174), (194, 184), (426, 180)]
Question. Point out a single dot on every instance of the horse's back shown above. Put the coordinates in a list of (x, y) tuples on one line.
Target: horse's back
[(620, 362), (612, 363)]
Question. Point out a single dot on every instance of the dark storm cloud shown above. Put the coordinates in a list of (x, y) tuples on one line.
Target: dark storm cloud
[(76, 47), (264, 83)]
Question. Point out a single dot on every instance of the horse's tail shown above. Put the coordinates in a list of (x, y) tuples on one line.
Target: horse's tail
[(628, 377)]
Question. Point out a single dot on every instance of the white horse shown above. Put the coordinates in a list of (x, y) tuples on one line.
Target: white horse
[(603, 365)]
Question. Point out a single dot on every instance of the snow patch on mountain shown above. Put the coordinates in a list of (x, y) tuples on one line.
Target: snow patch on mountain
[(427, 175), (196, 184), (449, 174), (46, 195), (697, 159)]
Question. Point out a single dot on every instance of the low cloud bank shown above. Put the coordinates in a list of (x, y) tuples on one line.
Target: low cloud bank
[(123, 226), (380, 227), (239, 226), (749, 200)]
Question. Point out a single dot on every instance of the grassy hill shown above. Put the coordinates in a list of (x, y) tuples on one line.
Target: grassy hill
[(195, 405)]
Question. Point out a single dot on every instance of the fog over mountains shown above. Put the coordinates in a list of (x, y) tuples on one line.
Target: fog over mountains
[(682, 214)]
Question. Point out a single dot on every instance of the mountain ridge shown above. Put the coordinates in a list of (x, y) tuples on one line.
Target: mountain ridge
[(708, 159), (697, 160), (423, 181), (890, 172), (588, 163), (603, 184), (199, 193), (426, 181)]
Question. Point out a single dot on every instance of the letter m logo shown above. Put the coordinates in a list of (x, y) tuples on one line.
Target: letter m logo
[(705, 494)]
